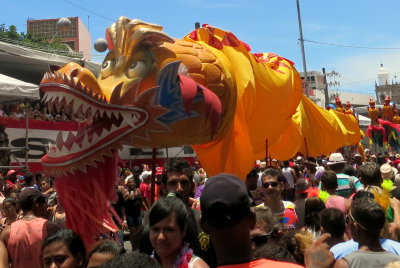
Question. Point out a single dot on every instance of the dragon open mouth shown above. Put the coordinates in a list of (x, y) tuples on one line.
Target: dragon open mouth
[(104, 132)]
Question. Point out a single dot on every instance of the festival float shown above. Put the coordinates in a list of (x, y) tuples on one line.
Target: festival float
[(206, 90), (384, 128)]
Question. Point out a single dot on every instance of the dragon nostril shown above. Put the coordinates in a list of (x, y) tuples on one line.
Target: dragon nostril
[(74, 73)]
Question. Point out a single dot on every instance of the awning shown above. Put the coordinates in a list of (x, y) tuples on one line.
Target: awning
[(29, 65), (363, 120), (13, 89)]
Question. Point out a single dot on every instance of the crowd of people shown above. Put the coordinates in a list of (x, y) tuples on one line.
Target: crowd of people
[(39, 111), (304, 212)]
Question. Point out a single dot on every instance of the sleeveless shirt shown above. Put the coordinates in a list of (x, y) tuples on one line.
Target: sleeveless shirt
[(25, 243)]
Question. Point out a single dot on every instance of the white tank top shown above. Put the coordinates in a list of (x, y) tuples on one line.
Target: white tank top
[(192, 261), (288, 176)]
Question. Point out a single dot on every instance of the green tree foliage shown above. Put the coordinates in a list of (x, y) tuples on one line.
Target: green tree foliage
[(39, 41)]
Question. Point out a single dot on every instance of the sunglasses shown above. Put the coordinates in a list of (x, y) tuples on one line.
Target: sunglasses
[(260, 240), (272, 183), (350, 218)]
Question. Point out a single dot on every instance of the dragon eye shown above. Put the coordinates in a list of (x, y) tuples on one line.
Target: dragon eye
[(137, 68), (107, 68)]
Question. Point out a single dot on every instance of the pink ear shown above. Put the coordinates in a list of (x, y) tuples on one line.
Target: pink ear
[(109, 40)]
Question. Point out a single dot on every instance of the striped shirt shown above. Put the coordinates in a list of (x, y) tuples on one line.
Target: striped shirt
[(347, 185)]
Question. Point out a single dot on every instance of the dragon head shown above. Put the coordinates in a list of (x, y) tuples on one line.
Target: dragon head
[(152, 91)]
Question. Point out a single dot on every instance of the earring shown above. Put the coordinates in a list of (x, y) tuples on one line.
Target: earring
[(204, 240)]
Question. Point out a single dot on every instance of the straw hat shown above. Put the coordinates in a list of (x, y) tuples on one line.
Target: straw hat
[(388, 171), (336, 158)]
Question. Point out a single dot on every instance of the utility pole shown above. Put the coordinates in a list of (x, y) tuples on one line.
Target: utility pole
[(325, 88), (302, 49)]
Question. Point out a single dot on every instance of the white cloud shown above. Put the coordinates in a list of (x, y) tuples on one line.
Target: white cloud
[(360, 72)]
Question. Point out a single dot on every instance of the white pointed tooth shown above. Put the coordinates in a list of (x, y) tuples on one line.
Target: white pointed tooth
[(101, 159), (87, 107), (103, 134), (108, 113), (68, 98), (113, 128), (76, 105), (129, 118), (83, 169), (44, 99), (64, 135), (115, 113), (92, 163), (62, 152), (75, 148), (94, 110), (50, 96), (96, 137), (85, 142)]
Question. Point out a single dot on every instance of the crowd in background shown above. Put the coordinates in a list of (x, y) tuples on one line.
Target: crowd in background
[(312, 212), (39, 111)]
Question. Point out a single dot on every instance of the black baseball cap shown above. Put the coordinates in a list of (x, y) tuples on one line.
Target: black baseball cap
[(224, 200), (28, 195)]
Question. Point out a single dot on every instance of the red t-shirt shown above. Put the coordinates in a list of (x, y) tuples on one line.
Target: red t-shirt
[(144, 190), (262, 263)]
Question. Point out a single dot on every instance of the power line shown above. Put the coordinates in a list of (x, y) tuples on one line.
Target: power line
[(88, 10), (350, 46), (365, 80)]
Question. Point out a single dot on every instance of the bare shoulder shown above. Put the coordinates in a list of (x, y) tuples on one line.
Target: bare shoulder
[(341, 263), (5, 234), (199, 263)]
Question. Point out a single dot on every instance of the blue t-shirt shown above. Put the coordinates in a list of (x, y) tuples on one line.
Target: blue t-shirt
[(343, 249)]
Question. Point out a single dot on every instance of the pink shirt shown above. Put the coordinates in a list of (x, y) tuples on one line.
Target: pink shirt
[(336, 202), (25, 243)]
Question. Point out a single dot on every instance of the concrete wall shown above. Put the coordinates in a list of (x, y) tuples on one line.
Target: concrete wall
[(85, 41)]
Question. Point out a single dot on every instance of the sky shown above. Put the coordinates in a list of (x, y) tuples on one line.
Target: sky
[(360, 32)]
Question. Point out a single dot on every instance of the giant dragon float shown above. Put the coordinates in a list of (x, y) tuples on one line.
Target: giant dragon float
[(207, 90)]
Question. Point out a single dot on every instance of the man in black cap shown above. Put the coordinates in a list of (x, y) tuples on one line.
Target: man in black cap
[(227, 217), (24, 237)]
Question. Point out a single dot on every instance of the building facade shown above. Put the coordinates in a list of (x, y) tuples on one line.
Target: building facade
[(316, 87), (315, 82), (77, 36), (386, 87)]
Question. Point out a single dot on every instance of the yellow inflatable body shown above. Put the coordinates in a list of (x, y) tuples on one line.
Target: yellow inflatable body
[(207, 90)]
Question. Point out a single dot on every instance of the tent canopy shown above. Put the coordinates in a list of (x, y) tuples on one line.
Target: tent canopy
[(363, 120), (12, 89), (29, 65)]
